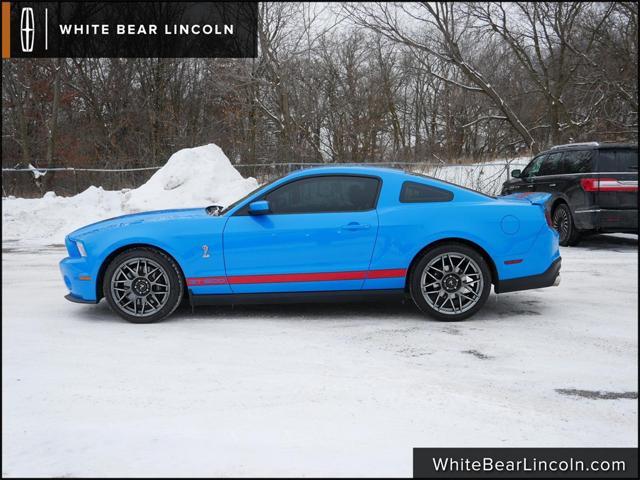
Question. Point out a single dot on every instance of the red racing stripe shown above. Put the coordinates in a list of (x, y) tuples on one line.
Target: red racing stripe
[(297, 277), (388, 273)]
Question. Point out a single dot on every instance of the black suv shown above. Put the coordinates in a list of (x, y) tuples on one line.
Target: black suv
[(594, 187)]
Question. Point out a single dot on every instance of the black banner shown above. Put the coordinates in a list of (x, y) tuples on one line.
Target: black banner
[(130, 29), (525, 463)]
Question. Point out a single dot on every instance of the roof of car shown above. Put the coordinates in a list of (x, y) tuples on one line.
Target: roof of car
[(349, 169), (373, 170), (590, 146)]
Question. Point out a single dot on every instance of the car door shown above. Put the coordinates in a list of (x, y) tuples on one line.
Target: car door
[(318, 235), (526, 181), (549, 177)]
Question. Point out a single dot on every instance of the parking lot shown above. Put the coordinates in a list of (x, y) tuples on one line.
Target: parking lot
[(333, 389)]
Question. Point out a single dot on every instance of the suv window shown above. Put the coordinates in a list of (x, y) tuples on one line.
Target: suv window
[(325, 194), (578, 161), (552, 165), (413, 192), (623, 160), (532, 169)]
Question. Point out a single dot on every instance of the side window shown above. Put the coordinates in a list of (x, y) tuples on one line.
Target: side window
[(618, 160), (627, 160), (533, 168), (552, 165), (325, 194), (578, 161), (413, 192)]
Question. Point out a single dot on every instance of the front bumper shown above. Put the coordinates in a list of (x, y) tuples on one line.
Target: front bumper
[(72, 298), (79, 279), (607, 220), (549, 278)]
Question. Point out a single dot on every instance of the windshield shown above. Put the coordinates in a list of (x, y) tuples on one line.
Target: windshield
[(239, 201)]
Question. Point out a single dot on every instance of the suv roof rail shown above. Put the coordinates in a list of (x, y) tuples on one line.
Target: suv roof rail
[(583, 144)]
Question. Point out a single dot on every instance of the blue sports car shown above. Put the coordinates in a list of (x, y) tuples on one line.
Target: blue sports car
[(330, 233)]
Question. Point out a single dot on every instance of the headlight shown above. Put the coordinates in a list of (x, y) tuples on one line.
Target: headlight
[(81, 249)]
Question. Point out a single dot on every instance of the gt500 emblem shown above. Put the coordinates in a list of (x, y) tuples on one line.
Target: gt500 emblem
[(205, 251)]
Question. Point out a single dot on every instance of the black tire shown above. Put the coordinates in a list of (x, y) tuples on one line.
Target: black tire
[(481, 290), (159, 304), (563, 223)]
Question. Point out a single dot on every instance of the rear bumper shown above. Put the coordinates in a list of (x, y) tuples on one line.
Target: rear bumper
[(607, 220), (549, 278)]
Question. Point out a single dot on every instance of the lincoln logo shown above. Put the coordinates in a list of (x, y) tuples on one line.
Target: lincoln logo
[(27, 29)]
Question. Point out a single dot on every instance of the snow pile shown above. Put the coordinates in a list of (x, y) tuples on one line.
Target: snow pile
[(192, 177), (48, 219)]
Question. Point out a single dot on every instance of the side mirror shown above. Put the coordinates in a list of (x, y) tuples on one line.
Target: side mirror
[(516, 173), (261, 207)]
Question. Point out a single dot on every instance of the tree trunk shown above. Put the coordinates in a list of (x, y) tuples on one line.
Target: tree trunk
[(53, 124)]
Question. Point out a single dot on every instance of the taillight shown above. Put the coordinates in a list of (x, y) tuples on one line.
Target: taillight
[(608, 185), (589, 184)]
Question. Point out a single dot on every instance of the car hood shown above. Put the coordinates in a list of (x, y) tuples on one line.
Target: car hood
[(138, 218)]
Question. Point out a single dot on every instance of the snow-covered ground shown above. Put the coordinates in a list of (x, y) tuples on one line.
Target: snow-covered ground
[(317, 390), (313, 390)]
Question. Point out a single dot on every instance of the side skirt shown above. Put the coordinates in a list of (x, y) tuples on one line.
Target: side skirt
[(336, 296)]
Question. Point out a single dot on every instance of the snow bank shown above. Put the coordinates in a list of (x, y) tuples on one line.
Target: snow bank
[(192, 177), (48, 219)]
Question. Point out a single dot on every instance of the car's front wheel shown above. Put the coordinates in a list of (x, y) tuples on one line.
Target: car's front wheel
[(450, 282), (143, 285)]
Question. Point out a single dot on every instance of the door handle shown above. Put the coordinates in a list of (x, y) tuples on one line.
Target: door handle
[(552, 184), (530, 185), (355, 226)]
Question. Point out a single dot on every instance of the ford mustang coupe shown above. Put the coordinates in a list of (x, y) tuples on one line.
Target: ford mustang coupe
[(329, 233)]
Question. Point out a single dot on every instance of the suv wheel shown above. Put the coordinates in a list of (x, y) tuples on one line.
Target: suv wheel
[(450, 282), (563, 223)]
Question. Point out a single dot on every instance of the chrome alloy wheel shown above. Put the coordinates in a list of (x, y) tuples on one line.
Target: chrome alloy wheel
[(452, 283), (140, 287)]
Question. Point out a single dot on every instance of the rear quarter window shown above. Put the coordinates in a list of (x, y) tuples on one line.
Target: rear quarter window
[(622, 160), (413, 192)]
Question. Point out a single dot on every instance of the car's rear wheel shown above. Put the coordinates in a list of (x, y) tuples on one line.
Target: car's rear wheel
[(143, 285), (450, 282), (563, 223)]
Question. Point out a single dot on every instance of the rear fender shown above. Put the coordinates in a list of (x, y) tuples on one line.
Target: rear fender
[(542, 199)]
